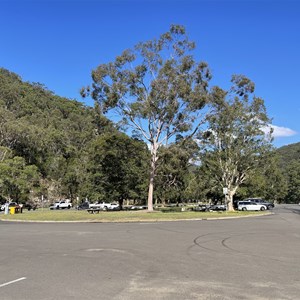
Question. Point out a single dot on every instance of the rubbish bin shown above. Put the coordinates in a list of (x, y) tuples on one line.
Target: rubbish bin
[(12, 210)]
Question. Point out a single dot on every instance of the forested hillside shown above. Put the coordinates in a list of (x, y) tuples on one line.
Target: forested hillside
[(289, 153), (45, 142), (289, 164)]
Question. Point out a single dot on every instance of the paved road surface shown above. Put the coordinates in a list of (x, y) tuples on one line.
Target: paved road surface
[(249, 258)]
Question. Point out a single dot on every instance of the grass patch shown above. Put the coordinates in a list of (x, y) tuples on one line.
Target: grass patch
[(118, 216)]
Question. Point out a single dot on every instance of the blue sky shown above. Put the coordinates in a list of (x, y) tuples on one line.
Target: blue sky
[(58, 43)]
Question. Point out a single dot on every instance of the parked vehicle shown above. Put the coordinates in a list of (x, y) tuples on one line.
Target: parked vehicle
[(269, 205), (30, 206), (201, 207), (61, 204), (218, 207), (114, 206), (250, 205), (83, 205), (138, 207), (104, 205)]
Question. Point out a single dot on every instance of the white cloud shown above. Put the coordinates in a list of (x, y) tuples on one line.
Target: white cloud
[(281, 131)]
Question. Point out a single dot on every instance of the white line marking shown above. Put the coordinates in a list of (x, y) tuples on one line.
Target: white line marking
[(10, 282)]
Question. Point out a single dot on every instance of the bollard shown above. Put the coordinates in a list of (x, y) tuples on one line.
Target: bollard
[(6, 210)]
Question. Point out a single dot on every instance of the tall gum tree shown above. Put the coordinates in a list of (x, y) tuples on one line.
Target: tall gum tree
[(157, 88), (238, 137)]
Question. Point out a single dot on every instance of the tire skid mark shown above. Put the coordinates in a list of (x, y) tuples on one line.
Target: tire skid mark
[(224, 241)]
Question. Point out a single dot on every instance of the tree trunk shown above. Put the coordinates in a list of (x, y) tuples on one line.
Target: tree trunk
[(229, 199), (229, 202), (150, 193), (152, 175)]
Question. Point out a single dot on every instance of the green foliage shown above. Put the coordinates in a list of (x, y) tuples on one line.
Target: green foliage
[(289, 157), (173, 170), (268, 182), (118, 168), (5, 153), (49, 132), (293, 175), (17, 180), (196, 187), (288, 153), (235, 145)]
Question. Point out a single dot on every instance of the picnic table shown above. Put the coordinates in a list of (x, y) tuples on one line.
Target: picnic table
[(94, 210)]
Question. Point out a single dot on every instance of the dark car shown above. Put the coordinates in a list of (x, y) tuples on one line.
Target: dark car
[(217, 207), (201, 207), (30, 206), (269, 205), (83, 205), (138, 207)]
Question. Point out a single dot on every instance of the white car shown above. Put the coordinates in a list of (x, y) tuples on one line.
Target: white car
[(113, 206), (249, 205), (104, 206), (61, 204)]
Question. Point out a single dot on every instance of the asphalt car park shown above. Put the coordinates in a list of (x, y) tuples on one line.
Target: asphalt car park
[(246, 258)]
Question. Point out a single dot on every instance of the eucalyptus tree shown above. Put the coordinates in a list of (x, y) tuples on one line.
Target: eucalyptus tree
[(117, 168), (238, 137), (18, 180), (173, 170), (195, 186), (158, 89)]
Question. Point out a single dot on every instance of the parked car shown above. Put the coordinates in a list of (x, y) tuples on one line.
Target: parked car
[(30, 206), (83, 205), (250, 205), (61, 204), (201, 207), (138, 207), (114, 206), (218, 207), (269, 205), (104, 206)]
